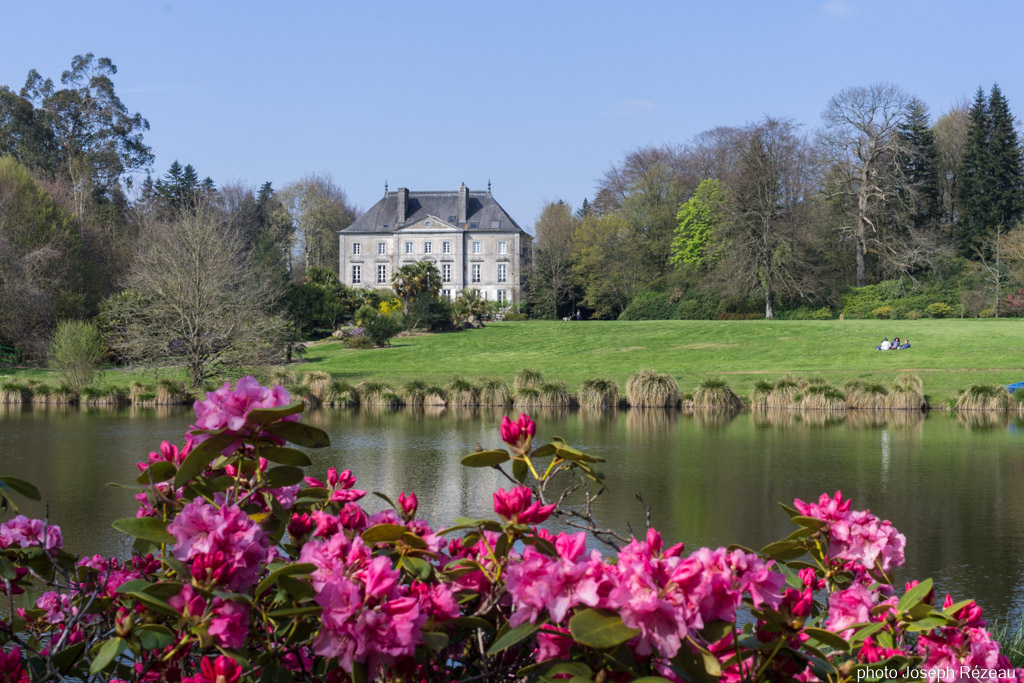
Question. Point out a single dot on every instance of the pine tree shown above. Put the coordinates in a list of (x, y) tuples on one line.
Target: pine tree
[(1006, 176), (973, 169), (919, 161)]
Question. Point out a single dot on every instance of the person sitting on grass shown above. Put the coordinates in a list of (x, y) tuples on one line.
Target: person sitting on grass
[(884, 346), (895, 344), (905, 344)]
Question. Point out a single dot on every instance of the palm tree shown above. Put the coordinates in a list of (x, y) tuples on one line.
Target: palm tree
[(414, 279), (469, 303)]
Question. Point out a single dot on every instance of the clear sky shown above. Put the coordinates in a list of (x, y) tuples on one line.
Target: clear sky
[(538, 97)]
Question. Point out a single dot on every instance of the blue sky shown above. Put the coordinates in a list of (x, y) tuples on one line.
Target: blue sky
[(539, 97)]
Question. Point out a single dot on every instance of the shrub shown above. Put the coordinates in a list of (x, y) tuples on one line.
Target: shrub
[(823, 313), (76, 352), (715, 394), (516, 316), (987, 313), (698, 309), (912, 314), (360, 342), (651, 389), (380, 329), (599, 393), (882, 312), (938, 310), (527, 378), (649, 306), (430, 313)]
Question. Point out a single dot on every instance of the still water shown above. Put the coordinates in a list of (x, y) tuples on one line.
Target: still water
[(952, 486)]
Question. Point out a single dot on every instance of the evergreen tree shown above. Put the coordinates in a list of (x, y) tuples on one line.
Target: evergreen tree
[(919, 161), (992, 181)]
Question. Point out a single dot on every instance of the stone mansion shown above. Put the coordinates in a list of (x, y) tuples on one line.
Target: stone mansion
[(473, 242)]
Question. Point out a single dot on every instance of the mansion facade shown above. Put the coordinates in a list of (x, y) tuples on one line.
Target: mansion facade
[(473, 242)]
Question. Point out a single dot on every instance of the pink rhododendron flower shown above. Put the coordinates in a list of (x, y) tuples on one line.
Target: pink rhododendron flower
[(515, 506), (222, 670), (228, 408), (408, 504), (518, 433), (56, 605), (553, 645), (23, 532), (230, 623), (850, 606), (856, 535), (189, 602), (341, 485), (11, 669), (224, 545)]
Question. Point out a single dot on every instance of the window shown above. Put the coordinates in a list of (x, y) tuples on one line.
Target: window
[(502, 247), (382, 248), (428, 247), (476, 272), (357, 275), (427, 224), (501, 296), (446, 247), (446, 293), (357, 248), (451, 219), (476, 247), (502, 272), (382, 274), (474, 226), (408, 247), (446, 272)]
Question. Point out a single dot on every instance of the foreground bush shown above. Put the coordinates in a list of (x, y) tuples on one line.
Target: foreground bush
[(247, 569)]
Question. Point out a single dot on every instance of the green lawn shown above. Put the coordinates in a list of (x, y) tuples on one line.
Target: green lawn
[(948, 355)]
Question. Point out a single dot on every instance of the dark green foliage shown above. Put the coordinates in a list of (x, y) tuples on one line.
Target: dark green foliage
[(381, 328), (703, 308), (320, 302), (649, 306), (900, 296), (919, 162), (428, 312), (991, 177)]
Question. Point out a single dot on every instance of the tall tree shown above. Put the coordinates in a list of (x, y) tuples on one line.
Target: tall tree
[(919, 161), (974, 219), (950, 142), (319, 209), (414, 279), (553, 285), (701, 219), (606, 254), (860, 140), (95, 140)]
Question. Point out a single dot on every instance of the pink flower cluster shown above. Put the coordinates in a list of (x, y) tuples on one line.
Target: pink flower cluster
[(665, 596), (11, 669), (856, 535), (227, 620), (225, 547), (229, 408), (368, 615), (515, 506), (946, 650), (339, 486), (22, 532), (220, 670)]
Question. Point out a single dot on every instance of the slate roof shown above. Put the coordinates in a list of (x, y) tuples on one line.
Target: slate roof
[(482, 209)]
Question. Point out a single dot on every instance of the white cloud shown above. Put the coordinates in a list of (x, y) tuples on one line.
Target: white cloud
[(627, 109), (838, 8)]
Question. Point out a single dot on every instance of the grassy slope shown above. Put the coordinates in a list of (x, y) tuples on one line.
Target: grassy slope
[(947, 354)]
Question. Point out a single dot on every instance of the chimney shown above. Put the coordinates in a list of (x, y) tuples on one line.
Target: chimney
[(463, 207), (403, 200)]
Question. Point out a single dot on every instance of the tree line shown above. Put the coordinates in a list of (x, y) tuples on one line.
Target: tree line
[(773, 219)]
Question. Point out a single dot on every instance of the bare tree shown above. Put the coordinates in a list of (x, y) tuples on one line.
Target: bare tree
[(553, 285), (950, 141), (319, 209), (768, 211), (861, 144), (194, 300)]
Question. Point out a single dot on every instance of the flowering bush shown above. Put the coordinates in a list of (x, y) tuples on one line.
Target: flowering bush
[(245, 568)]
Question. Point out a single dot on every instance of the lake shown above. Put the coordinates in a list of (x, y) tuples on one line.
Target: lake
[(951, 484)]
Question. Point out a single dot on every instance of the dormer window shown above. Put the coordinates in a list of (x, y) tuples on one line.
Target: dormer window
[(451, 219), (474, 226), (427, 224)]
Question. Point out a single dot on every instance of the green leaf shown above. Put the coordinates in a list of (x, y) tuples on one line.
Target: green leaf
[(300, 434), (571, 668), (66, 658), (7, 569), (273, 672), (155, 636), (284, 475), (146, 528), (267, 415), (810, 522), (927, 624), (384, 533), (824, 637), (434, 640), (956, 607), (384, 497), (716, 630), (161, 470), (867, 632), (295, 611), (783, 550), (153, 603), (285, 456), (200, 458), (913, 597), (514, 636), (519, 470), (486, 458), (108, 651), (600, 628), (23, 487), (417, 566), (286, 570)]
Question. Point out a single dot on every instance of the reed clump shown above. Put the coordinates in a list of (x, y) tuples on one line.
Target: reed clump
[(341, 393), (984, 397), (715, 394), (282, 377), (784, 392), (907, 393), (822, 397), (862, 395), (555, 395), (374, 393), (169, 392), (599, 393), (495, 392), (462, 392), (14, 391), (317, 384), (526, 378), (759, 396), (413, 392), (527, 398), (652, 389), (434, 397)]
